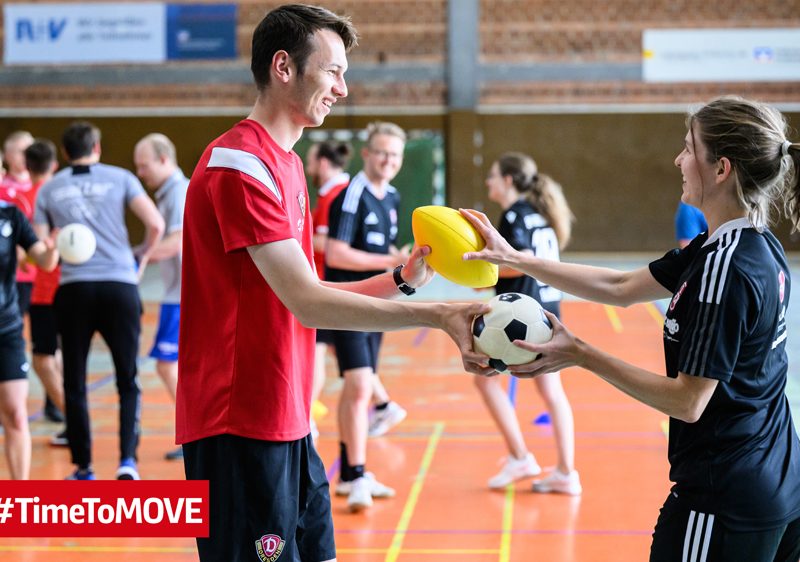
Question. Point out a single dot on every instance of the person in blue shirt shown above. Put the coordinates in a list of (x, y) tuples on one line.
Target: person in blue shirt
[(689, 222)]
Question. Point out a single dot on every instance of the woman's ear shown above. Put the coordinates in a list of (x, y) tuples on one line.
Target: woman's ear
[(723, 169)]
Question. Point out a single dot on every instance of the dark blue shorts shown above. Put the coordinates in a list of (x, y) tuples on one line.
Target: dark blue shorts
[(355, 350), (684, 534), (13, 361), (325, 336), (266, 498)]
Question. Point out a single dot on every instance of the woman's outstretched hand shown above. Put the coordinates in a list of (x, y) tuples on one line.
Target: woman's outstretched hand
[(497, 250)]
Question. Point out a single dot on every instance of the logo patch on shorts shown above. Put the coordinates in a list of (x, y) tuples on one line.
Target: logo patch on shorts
[(269, 548)]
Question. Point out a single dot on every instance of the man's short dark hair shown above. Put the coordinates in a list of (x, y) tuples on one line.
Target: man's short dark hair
[(290, 28), (79, 139), (39, 156)]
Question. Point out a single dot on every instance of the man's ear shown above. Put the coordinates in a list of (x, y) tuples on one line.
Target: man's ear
[(282, 66)]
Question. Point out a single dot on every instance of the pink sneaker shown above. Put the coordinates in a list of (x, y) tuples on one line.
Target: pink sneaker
[(515, 469), (559, 483)]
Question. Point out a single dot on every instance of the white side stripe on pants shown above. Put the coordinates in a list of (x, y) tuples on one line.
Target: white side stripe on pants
[(693, 535)]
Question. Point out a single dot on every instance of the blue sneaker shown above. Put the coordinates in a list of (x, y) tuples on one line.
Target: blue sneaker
[(81, 474), (127, 470)]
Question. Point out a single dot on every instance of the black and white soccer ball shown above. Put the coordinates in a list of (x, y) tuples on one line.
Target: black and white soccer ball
[(514, 316)]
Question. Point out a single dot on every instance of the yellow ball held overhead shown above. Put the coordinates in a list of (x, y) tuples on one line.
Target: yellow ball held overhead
[(450, 236)]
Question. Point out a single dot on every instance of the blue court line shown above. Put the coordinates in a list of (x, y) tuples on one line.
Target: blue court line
[(334, 468), (512, 391), (420, 337)]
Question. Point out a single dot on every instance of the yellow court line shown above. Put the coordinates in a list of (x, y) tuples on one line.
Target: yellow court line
[(613, 317), (413, 496), (508, 522), (655, 313)]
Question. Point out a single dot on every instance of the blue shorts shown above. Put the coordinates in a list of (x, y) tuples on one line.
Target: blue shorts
[(165, 347)]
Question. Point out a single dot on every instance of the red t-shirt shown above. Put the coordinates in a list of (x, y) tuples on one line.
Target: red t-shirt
[(245, 361), (21, 193), (45, 284), (320, 214)]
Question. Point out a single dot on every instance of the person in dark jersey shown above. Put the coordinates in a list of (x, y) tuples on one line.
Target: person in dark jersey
[(734, 452), (250, 303), (15, 230), (536, 220)]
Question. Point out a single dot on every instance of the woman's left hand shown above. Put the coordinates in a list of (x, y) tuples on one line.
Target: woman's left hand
[(562, 351)]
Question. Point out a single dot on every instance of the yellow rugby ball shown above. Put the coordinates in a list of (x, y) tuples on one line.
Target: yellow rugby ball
[(450, 235)]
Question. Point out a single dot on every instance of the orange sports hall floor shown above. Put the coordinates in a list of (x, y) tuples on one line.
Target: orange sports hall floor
[(438, 459)]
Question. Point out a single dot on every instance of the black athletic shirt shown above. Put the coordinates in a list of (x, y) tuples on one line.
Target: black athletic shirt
[(363, 221), (727, 321), (525, 229), (15, 230)]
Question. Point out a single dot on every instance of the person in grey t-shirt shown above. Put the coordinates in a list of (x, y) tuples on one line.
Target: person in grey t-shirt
[(156, 165), (101, 294)]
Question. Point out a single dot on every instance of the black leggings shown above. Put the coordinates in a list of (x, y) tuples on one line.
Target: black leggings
[(114, 310)]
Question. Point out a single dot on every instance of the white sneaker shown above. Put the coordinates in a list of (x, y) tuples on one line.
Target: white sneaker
[(382, 421), (376, 489), (559, 483), (360, 497), (515, 469)]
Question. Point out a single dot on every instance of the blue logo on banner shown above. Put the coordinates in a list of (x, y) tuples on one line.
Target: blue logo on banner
[(201, 31), (39, 30)]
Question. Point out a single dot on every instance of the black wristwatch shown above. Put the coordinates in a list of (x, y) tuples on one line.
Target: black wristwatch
[(404, 287)]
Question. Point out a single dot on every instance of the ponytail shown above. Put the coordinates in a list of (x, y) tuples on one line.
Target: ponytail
[(547, 196), (792, 194)]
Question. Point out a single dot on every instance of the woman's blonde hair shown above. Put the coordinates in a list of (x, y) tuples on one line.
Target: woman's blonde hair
[(752, 136)]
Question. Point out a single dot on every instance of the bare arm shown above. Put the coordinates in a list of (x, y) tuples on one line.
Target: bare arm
[(144, 208), (43, 253), (684, 398), (599, 284), (340, 255), (169, 246), (319, 241), (285, 269)]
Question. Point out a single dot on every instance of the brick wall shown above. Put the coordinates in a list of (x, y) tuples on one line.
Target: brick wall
[(511, 31)]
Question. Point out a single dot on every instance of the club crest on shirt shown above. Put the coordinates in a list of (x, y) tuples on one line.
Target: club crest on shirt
[(677, 296), (6, 229), (269, 548), (781, 285)]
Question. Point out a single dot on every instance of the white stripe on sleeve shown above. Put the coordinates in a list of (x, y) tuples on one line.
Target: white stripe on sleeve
[(246, 163)]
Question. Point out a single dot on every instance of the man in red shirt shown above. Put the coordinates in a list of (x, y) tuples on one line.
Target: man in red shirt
[(325, 165), (250, 300), (41, 162)]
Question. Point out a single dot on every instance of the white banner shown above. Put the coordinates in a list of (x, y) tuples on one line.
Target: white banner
[(721, 55), (85, 33)]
